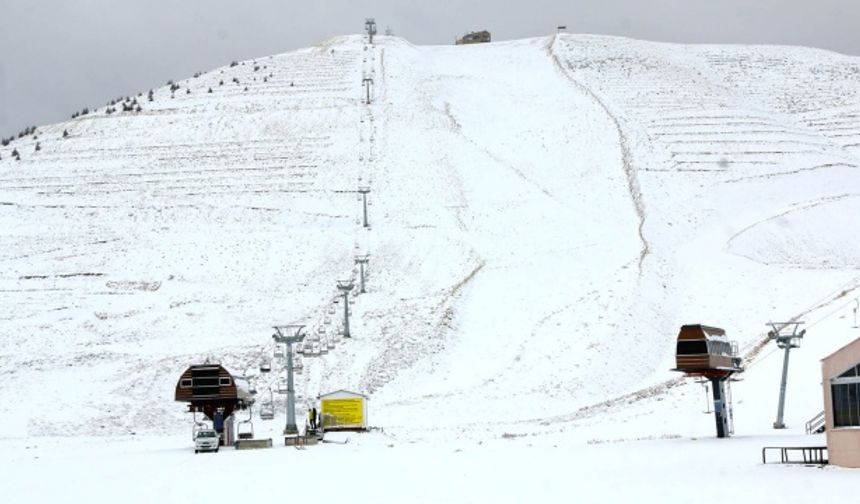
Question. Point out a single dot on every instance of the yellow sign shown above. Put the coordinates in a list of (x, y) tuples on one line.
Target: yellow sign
[(338, 412)]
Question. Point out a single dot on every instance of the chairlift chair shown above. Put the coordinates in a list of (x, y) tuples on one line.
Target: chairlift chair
[(279, 352), (245, 428), (267, 412), (282, 386), (265, 367)]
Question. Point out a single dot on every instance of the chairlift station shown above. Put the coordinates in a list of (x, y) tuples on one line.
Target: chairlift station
[(705, 352)]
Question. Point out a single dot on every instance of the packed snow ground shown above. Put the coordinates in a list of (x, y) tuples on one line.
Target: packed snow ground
[(545, 214)]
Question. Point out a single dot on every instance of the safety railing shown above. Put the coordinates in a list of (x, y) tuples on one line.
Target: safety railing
[(816, 424), (811, 455)]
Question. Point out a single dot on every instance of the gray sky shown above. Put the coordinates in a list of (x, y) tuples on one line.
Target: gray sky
[(59, 56)]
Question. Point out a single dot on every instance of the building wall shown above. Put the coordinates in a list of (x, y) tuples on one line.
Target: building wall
[(843, 444)]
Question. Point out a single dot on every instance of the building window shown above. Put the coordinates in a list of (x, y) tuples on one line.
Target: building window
[(845, 392), (185, 383), (224, 381), (692, 347)]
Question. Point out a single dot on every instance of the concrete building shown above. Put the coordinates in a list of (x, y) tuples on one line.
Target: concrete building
[(841, 382)]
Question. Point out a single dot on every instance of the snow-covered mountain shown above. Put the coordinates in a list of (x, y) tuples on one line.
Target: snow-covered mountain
[(544, 214)]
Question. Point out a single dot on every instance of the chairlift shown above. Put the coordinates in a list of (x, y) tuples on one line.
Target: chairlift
[(267, 412), (279, 352), (245, 429)]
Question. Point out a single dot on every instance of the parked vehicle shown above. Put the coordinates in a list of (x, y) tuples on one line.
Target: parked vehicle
[(206, 440)]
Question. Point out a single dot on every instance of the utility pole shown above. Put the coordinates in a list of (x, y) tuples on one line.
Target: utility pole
[(362, 261), (370, 27), (367, 81), (364, 191), (345, 286), (289, 334), (786, 341)]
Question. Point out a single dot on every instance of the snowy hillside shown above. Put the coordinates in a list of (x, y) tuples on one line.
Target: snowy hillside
[(544, 215)]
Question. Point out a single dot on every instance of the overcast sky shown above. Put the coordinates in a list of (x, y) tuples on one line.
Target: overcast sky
[(58, 56)]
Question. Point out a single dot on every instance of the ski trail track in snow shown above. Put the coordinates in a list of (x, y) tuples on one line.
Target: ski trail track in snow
[(623, 142)]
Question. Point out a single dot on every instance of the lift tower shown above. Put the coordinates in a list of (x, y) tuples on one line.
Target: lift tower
[(344, 286), (364, 191), (289, 334), (362, 262), (370, 27), (780, 333), (367, 81)]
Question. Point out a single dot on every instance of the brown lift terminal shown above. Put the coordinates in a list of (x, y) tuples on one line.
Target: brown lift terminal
[(705, 352)]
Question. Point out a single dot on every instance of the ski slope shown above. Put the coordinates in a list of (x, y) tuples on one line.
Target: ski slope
[(545, 213)]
